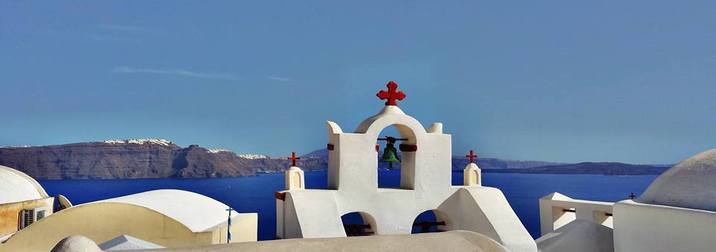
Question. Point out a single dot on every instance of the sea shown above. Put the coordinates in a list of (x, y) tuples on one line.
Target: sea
[(256, 193)]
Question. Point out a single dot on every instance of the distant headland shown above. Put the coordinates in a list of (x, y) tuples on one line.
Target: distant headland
[(159, 158)]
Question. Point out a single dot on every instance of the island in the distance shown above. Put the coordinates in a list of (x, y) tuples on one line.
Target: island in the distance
[(159, 158)]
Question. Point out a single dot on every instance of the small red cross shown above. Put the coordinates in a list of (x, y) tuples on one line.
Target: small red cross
[(391, 95), (293, 158), (472, 156)]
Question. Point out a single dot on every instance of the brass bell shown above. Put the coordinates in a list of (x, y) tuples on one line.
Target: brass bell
[(390, 154)]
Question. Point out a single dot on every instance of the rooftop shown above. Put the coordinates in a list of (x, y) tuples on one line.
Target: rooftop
[(197, 212), (689, 184), (17, 186)]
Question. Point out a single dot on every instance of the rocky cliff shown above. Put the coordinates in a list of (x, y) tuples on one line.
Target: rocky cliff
[(130, 159), (603, 168), (155, 158)]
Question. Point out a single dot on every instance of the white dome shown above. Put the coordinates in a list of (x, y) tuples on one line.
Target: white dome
[(16, 186), (197, 212), (689, 184), (76, 243)]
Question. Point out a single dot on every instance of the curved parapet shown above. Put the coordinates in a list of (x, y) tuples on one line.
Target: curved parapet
[(63, 201), (333, 128), (162, 217), (103, 221)]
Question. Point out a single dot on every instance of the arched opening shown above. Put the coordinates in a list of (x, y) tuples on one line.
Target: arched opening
[(430, 221), (358, 224), (397, 143)]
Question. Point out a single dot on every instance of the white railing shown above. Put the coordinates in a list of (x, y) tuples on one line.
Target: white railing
[(556, 210)]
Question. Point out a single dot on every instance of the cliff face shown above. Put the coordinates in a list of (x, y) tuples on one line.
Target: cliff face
[(132, 159), (197, 162), (458, 163), (603, 168), (124, 160), (92, 160)]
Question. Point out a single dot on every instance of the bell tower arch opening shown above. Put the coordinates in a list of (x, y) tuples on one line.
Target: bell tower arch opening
[(430, 221), (395, 149), (358, 224)]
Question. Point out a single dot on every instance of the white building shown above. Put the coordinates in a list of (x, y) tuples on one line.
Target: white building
[(168, 218), (677, 212), (22, 202), (425, 185)]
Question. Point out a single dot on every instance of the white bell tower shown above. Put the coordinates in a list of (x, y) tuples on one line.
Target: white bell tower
[(425, 185)]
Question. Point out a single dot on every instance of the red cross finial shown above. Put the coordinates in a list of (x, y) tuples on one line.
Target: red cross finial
[(293, 158), (391, 95), (472, 156)]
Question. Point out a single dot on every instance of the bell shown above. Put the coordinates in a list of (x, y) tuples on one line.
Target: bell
[(390, 155)]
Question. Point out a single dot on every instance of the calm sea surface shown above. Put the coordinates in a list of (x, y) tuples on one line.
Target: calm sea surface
[(256, 193)]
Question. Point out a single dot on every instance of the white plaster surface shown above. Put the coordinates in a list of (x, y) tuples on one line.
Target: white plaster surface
[(127, 242), (195, 211), (553, 215), (690, 184), (642, 227), (454, 241), (16, 186), (76, 243), (578, 235)]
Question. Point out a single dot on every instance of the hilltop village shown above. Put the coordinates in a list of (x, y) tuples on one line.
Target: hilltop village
[(676, 213)]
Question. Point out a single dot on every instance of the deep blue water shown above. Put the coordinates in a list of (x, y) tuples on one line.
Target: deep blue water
[(256, 193)]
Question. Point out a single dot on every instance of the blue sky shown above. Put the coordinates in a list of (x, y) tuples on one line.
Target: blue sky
[(630, 81)]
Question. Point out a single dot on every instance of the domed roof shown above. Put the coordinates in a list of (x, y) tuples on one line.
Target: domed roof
[(197, 212), (689, 184), (76, 243), (16, 186)]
